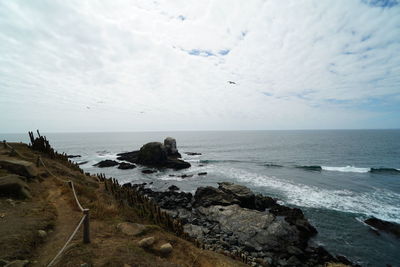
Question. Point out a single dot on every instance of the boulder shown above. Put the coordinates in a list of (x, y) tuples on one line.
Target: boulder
[(389, 227), (153, 153), (106, 163), (173, 188), (131, 229), (170, 147), (165, 249), (20, 167), (126, 166), (208, 196), (242, 193), (146, 242), (14, 186)]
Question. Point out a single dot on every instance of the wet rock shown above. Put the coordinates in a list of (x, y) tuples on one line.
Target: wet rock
[(14, 186), (146, 242), (20, 167), (106, 163), (173, 188), (192, 153), (202, 173), (83, 162), (165, 249), (73, 156), (126, 166), (147, 171), (131, 229), (186, 175), (389, 227)]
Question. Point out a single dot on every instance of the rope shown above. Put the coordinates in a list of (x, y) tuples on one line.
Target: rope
[(68, 241), (76, 198), (71, 184)]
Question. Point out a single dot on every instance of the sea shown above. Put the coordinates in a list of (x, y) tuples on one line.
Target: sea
[(338, 178)]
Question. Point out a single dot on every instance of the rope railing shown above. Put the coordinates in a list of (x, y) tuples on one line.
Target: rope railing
[(68, 241), (85, 217)]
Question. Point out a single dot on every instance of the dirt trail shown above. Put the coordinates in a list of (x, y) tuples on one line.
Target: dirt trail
[(67, 220)]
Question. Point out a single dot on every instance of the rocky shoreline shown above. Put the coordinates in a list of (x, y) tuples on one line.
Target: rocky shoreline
[(232, 219)]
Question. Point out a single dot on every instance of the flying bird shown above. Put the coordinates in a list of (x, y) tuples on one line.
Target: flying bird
[(87, 107), (230, 82)]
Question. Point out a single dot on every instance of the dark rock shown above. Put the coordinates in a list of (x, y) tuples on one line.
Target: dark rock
[(192, 153), (170, 147), (173, 188), (147, 171), (264, 202), (83, 162), (128, 156), (343, 259), (73, 156), (127, 185), (126, 166), (155, 154), (106, 163), (389, 227), (14, 186), (242, 193), (186, 175), (202, 173), (207, 196)]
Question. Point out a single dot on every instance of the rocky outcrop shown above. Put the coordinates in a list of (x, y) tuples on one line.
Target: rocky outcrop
[(156, 154), (14, 186), (170, 147), (20, 167), (106, 163), (126, 166), (232, 218), (389, 227)]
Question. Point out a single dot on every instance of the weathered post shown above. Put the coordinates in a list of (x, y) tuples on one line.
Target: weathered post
[(5, 143), (38, 161), (86, 224)]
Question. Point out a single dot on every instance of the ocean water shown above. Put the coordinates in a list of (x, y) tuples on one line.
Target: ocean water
[(337, 177)]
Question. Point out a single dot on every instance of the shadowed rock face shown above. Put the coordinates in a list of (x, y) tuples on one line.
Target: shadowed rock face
[(106, 163), (389, 227), (14, 186)]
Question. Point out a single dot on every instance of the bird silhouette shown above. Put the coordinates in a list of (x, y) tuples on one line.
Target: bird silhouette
[(230, 82)]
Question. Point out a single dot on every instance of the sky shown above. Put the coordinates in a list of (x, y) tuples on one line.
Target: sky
[(126, 65)]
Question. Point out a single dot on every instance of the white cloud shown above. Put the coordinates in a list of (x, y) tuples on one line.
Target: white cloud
[(164, 65)]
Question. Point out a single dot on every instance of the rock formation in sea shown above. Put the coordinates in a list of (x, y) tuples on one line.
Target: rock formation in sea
[(156, 154)]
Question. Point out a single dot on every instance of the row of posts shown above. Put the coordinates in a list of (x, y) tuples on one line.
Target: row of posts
[(145, 207)]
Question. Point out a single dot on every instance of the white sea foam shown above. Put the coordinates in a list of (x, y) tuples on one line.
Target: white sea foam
[(346, 169), (379, 203)]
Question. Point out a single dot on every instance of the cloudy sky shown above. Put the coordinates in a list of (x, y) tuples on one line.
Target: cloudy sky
[(125, 65)]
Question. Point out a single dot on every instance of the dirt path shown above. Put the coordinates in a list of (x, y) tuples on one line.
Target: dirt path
[(67, 220)]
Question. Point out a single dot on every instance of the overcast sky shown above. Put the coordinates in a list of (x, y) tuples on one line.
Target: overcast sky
[(124, 65)]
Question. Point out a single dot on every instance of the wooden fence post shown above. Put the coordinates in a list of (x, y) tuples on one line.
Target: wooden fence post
[(86, 229), (5, 143)]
